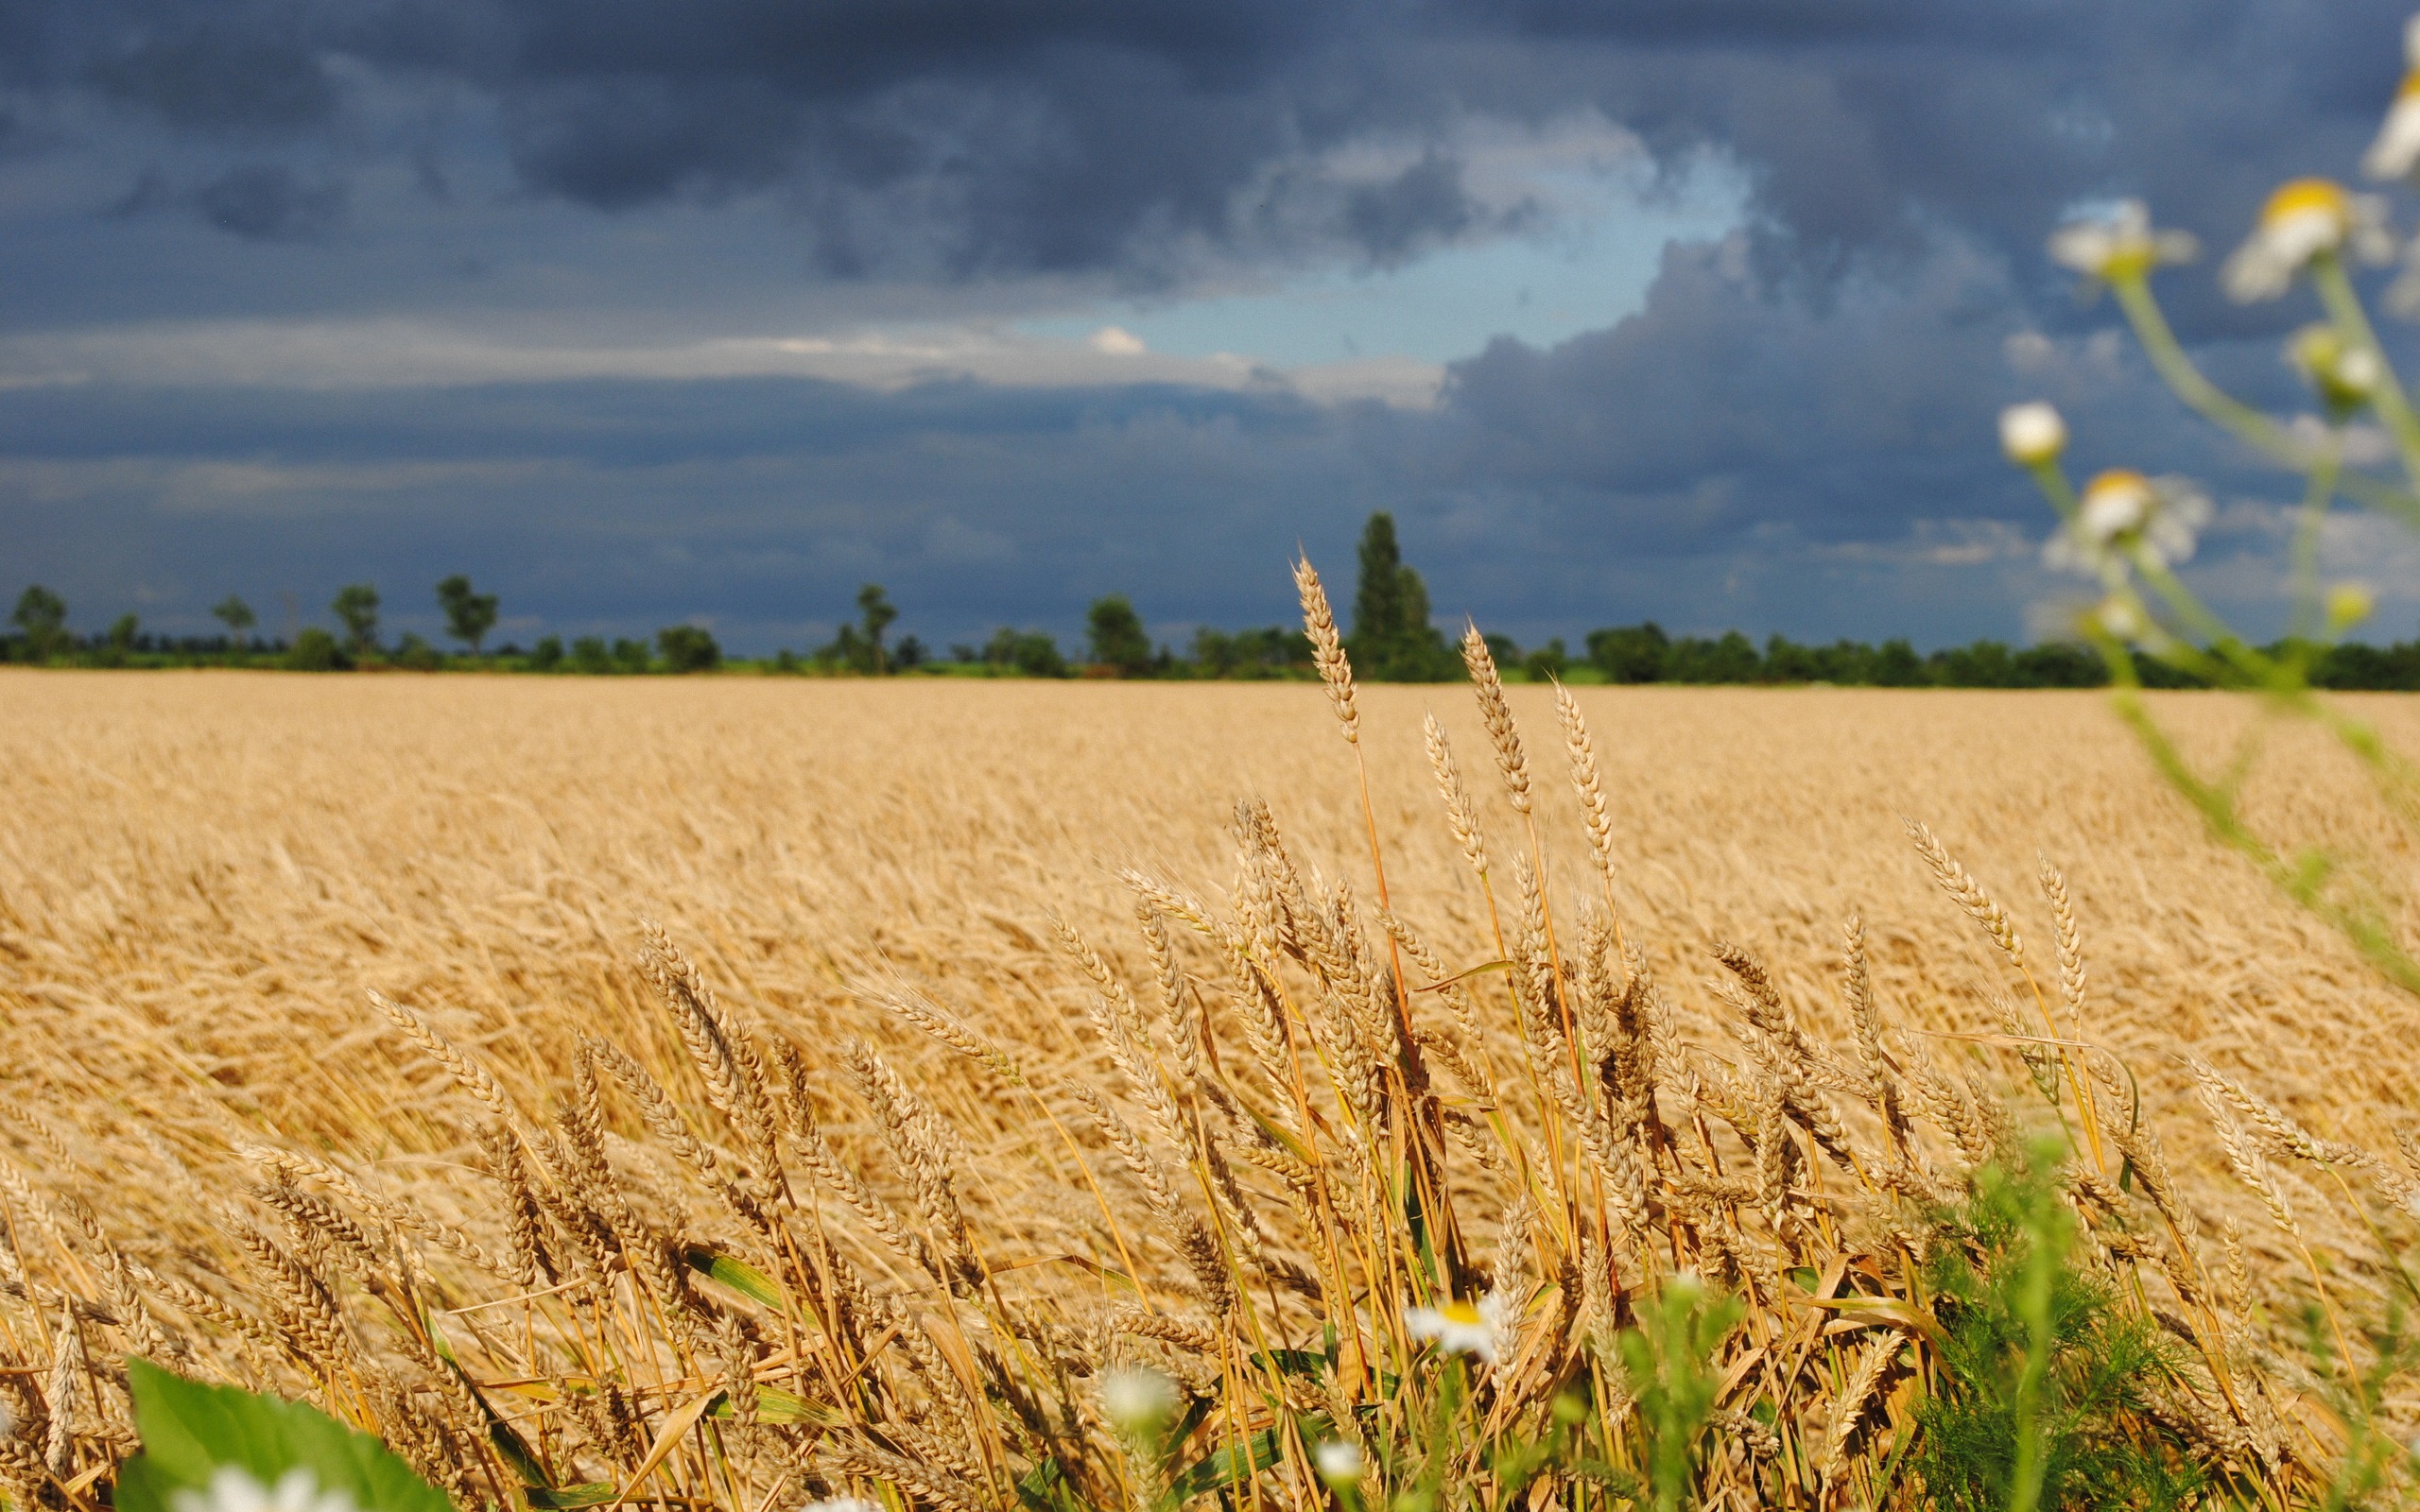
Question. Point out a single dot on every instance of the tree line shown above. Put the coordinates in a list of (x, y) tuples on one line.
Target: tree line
[(1394, 639)]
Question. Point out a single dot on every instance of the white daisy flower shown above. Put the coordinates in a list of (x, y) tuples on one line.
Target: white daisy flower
[(1464, 1327), (2120, 244), (841, 1504), (2121, 618), (2345, 376), (2307, 218), (2396, 151), (2032, 433), (2126, 514), (1138, 1402), (232, 1488), (1341, 1463)]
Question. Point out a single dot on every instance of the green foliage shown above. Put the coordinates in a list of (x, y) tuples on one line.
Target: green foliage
[(688, 648), (875, 613), (191, 1433), (630, 656), (43, 616), (1392, 639), (415, 655), (236, 614), (1272, 651), (1033, 653), (547, 655), (469, 616), (589, 655), (316, 650), (1118, 639), (1547, 662), (1668, 1366), (355, 607), (2046, 1382)]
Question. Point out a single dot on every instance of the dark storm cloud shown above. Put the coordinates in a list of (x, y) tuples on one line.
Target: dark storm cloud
[(210, 81), (976, 505), (1082, 134), (271, 202), (1793, 432)]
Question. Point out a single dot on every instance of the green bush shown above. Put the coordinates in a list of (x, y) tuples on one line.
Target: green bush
[(316, 650), (688, 648)]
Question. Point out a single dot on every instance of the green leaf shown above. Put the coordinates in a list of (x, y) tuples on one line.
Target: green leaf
[(590, 1494), (774, 1405), (1224, 1467), (739, 1276), (190, 1431), (1293, 1362), (1044, 1488)]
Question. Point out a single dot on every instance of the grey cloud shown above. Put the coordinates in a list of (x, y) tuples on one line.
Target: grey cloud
[(211, 82), (269, 202)]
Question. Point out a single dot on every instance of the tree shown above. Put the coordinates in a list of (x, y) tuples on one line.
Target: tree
[(356, 605), (688, 648), (122, 633), (42, 616), (1548, 663), (1118, 639), (875, 605), (1033, 653), (548, 654), (315, 650), (469, 616), (1392, 639), (238, 618), (1632, 653)]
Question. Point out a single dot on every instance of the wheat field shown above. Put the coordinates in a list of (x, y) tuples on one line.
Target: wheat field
[(204, 877)]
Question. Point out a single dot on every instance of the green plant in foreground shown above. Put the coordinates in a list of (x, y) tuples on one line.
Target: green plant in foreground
[(2130, 531), (1666, 1366), (221, 1449), (2046, 1397)]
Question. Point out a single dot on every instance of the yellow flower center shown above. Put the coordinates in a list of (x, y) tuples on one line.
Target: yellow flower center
[(2115, 481), (2409, 87), (1466, 1314), (2309, 196)]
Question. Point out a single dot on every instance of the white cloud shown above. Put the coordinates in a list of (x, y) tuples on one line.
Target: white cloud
[(388, 353)]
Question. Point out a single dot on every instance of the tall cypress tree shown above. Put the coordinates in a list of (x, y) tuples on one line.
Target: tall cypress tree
[(1392, 639)]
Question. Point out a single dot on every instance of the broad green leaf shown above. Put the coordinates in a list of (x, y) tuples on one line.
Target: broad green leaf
[(592, 1493), (739, 1276), (190, 1429)]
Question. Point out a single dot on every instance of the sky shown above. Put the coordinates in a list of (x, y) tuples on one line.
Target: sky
[(1697, 311)]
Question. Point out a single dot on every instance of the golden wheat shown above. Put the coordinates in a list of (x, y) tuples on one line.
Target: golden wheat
[(341, 1060)]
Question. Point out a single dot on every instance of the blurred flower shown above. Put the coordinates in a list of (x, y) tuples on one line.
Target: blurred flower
[(840, 1503), (233, 1489), (2032, 433), (2121, 618), (2344, 375), (2349, 604), (1138, 1402), (2126, 514), (2304, 219), (1341, 1463), (2398, 147), (2119, 245), (1462, 1327)]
